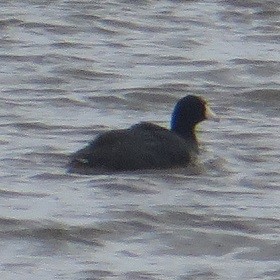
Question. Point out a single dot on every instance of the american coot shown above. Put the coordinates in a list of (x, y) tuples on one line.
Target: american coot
[(146, 145)]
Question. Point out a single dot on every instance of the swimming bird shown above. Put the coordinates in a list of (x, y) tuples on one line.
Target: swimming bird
[(146, 145)]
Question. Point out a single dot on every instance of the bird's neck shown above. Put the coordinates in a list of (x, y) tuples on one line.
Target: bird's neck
[(187, 132)]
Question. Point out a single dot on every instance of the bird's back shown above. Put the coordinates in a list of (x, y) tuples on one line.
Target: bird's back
[(142, 146)]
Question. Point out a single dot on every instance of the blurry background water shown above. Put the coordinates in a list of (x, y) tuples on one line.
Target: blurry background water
[(71, 69)]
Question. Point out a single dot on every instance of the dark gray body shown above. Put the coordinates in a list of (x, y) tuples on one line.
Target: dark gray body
[(142, 146)]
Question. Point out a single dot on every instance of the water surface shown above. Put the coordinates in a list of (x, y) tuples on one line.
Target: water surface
[(72, 69)]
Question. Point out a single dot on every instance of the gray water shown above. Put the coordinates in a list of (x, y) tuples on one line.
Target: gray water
[(72, 69)]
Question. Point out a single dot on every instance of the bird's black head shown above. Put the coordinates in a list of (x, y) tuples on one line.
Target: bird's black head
[(189, 111)]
